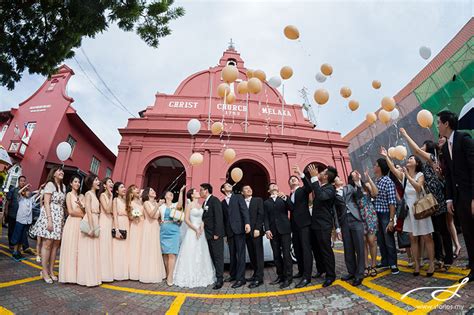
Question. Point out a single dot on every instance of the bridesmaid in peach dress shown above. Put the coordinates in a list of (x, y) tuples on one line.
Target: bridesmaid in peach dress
[(135, 210), (71, 232), (152, 268), (120, 243), (105, 238), (88, 262)]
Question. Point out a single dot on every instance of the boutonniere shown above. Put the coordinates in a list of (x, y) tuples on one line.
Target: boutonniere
[(206, 208)]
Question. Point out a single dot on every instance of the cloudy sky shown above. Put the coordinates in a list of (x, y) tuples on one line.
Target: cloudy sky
[(362, 40)]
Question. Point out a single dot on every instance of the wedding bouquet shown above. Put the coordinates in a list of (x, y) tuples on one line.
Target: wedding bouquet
[(136, 213)]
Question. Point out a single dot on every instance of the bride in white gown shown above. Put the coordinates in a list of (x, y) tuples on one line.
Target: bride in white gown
[(194, 267)]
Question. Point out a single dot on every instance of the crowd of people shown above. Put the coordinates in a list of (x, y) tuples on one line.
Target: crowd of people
[(112, 232)]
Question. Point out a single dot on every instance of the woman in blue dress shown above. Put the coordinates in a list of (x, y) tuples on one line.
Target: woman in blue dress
[(170, 232)]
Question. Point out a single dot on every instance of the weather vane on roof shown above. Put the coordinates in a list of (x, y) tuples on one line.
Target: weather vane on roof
[(231, 45)]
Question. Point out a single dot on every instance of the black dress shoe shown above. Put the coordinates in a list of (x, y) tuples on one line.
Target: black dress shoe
[(327, 283), (251, 279), (229, 279), (347, 277), (217, 286), (357, 282), (255, 284), (302, 283), (318, 275), (470, 278), (277, 281), (285, 284), (298, 275), (238, 284)]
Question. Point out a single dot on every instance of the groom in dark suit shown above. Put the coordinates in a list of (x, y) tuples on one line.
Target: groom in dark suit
[(214, 227), (237, 221)]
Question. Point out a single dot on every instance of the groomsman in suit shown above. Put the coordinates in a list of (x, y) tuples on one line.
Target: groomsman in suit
[(214, 227), (278, 231), (237, 221), (298, 204), (458, 154), (323, 216), (255, 238)]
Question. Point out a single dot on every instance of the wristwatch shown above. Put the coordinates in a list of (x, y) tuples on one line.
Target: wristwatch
[(391, 219)]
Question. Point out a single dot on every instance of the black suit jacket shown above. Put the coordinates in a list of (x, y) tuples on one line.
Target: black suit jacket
[(276, 216), (300, 208), (256, 214), (236, 215), (460, 169), (213, 218), (323, 206)]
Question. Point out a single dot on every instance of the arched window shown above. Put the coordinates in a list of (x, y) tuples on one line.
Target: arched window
[(13, 174)]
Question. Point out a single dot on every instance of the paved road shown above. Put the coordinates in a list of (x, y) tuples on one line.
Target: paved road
[(22, 291)]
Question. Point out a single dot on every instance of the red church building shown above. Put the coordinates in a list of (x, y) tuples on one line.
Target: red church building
[(31, 133), (155, 148)]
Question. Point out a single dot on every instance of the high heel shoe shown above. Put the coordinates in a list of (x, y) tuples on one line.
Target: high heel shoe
[(54, 278), (47, 280), (416, 273)]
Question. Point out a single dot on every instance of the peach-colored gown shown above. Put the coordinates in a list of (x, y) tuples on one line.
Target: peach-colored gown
[(105, 244), (88, 260), (69, 246), (136, 234), (152, 268), (120, 247)]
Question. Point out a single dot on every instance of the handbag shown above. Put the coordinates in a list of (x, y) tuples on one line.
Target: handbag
[(85, 228), (403, 240), (177, 215), (123, 233), (425, 206)]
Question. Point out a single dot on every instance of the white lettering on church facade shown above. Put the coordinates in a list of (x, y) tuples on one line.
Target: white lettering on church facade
[(277, 112), (182, 104)]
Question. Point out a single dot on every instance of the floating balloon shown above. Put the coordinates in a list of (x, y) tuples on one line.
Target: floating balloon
[(320, 77), (424, 118), (345, 92), (291, 32), (353, 105), (321, 96), (326, 69), (274, 82), (196, 159), (388, 103), (376, 84), (222, 89), (394, 114), (286, 72), (249, 73), (400, 152), (230, 99), (242, 87), (217, 128), (254, 85), (229, 155), (391, 152), (425, 52), (384, 116), (236, 174), (230, 74), (194, 126), (370, 118), (63, 151), (260, 74)]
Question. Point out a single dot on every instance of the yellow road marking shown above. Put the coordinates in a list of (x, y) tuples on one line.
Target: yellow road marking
[(23, 261), (5, 311), (393, 294), (176, 305), (21, 281)]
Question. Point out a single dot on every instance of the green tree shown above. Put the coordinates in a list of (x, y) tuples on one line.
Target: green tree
[(39, 35)]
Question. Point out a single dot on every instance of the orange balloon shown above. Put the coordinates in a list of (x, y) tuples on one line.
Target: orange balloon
[(376, 84), (391, 152), (326, 69), (384, 116), (230, 99), (230, 74), (196, 159), (242, 87), (249, 73), (388, 103), (236, 174), (260, 75), (254, 85), (217, 128), (321, 96), (371, 118), (424, 118), (222, 89), (353, 105), (400, 152), (345, 92), (286, 72), (291, 32), (229, 155)]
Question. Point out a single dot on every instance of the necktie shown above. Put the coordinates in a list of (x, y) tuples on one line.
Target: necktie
[(450, 147)]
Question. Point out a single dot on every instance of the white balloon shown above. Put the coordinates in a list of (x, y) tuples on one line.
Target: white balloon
[(394, 114), (275, 82), (425, 52), (320, 77), (63, 151), (194, 126)]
